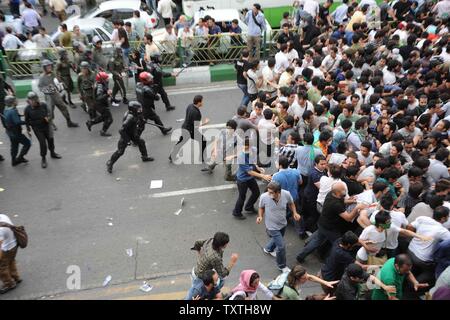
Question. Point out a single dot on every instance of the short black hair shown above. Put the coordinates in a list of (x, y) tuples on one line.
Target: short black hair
[(198, 99), (220, 239), (379, 186), (268, 114), (440, 212), (442, 154), (402, 259), (232, 124), (283, 161), (349, 238), (319, 158), (386, 201), (382, 217), (208, 277)]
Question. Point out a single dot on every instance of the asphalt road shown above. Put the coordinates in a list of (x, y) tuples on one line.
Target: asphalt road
[(66, 207)]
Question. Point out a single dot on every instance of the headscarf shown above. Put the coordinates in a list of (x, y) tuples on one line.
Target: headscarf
[(244, 282)]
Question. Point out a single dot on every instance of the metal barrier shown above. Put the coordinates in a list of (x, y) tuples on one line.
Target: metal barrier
[(198, 50)]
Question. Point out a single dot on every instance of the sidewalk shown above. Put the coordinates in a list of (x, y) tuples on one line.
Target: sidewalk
[(190, 76)]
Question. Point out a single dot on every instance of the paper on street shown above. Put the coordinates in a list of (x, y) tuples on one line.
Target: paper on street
[(156, 184)]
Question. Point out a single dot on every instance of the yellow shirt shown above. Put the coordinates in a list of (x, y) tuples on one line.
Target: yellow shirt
[(357, 17)]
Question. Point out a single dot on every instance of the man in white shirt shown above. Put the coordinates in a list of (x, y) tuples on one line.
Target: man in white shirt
[(169, 40), (270, 77), (165, 9), (331, 61), (312, 7), (281, 59), (421, 252), (267, 130), (8, 250), (139, 24), (10, 41)]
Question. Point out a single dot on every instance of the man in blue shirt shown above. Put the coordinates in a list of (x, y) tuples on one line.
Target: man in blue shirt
[(13, 125), (289, 180), (245, 178), (256, 23), (205, 288)]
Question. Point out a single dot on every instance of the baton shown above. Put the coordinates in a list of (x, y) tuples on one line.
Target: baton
[(184, 67), (154, 124)]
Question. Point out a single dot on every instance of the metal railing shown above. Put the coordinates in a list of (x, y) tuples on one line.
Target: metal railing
[(198, 50)]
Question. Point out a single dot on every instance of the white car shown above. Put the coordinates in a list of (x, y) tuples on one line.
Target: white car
[(91, 27), (120, 10)]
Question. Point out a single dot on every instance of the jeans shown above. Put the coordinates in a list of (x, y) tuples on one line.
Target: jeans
[(242, 188), (277, 242), (17, 139), (246, 98), (318, 238)]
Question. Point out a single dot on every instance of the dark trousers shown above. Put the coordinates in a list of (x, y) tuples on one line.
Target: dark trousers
[(45, 136), (319, 238), (105, 117), (119, 85), (123, 144), (185, 139), (310, 216), (243, 186), (17, 139), (14, 8), (423, 271), (163, 94), (150, 114)]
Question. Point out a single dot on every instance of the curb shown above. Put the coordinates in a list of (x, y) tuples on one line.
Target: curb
[(193, 75)]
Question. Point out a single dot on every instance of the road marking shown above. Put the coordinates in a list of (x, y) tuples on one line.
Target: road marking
[(213, 126), (192, 191)]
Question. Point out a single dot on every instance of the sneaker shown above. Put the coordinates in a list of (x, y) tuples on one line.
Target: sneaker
[(239, 216), (285, 270), (55, 156), (147, 159), (251, 211), (44, 163), (272, 253), (114, 104), (89, 125), (170, 108), (72, 125), (125, 101), (105, 134)]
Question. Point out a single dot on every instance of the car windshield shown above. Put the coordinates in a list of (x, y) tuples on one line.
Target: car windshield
[(108, 26)]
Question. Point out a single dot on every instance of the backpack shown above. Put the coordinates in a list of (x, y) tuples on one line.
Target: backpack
[(19, 232), (277, 285)]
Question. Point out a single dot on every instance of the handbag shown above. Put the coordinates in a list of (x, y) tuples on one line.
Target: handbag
[(19, 232)]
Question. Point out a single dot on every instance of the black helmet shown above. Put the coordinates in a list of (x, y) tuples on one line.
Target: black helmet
[(134, 107), (85, 65), (32, 96), (46, 63)]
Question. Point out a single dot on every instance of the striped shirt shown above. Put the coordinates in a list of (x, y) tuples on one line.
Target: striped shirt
[(289, 151)]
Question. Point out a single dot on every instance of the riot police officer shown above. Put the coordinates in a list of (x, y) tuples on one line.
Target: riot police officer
[(129, 133), (37, 116), (13, 125), (86, 84), (53, 98), (101, 104), (146, 96), (117, 67), (154, 67), (62, 69)]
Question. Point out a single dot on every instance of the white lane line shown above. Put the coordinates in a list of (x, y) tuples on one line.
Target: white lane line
[(192, 191), (213, 126)]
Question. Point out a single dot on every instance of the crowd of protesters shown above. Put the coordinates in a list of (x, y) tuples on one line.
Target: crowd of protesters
[(354, 110)]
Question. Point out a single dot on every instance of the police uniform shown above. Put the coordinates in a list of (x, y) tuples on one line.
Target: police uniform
[(130, 132), (62, 69), (101, 106), (146, 96), (116, 66), (53, 98), (158, 74), (86, 86)]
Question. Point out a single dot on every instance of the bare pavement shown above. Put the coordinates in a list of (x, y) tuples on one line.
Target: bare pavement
[(79, 217)]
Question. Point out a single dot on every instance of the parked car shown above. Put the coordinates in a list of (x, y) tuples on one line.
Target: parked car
[(120, 10)]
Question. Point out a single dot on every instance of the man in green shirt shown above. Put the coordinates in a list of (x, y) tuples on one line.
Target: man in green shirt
[(393, 273)]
